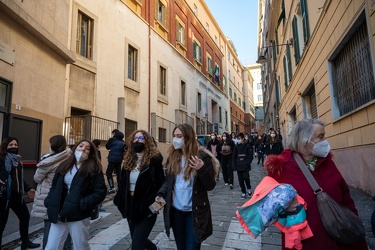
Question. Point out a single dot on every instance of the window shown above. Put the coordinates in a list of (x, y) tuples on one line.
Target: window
[(220, 116), (199, 102), (260, 98), (195, 10), (180, 34), (352, 71), (235, 97), (259, 86), (162, 13), (183, 93), (85, 28), (287, 68), (244, 106), (209, 64), (162, 134), (297, 54), (226, 118), (309, 103), (132, 63), (230, 92), (130, 126), (197, 52), (239, 100), (207, 27), (305, 21), (162, 81)]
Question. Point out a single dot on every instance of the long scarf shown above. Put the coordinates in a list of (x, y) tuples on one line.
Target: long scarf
[(12, 160)]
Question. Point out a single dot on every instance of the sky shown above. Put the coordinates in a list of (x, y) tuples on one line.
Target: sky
[(238, 19)]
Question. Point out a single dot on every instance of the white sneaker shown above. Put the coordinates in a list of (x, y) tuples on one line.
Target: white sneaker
[(226, 184), (243, 196)]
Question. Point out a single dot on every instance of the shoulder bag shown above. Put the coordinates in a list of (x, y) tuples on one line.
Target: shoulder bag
[(340, 222)]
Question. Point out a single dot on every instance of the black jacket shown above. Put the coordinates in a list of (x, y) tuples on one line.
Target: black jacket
[(84, 195), (15, 179), (148, 183), (204, 181), (242, 157), (116, 147)]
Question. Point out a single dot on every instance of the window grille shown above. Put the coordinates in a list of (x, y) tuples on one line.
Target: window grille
[(354, 83)]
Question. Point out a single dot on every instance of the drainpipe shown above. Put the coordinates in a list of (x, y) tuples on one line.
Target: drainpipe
[(149, 68)]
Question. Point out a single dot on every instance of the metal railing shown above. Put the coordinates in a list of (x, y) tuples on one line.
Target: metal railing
[(161, 129), (88, 127)]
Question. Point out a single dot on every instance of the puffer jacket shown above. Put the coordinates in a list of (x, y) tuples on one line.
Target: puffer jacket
[(242, 157), (204, 180), (43, 177), (84, 194), (116, 147)]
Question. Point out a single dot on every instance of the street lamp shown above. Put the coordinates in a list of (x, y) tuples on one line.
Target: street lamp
[(262, 59)]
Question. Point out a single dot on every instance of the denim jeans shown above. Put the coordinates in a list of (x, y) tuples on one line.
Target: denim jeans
[(47, 226), (140, 231), (183, 230)]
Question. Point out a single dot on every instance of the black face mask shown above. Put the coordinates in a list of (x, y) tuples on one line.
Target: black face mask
[(12, 150), (138, 146)]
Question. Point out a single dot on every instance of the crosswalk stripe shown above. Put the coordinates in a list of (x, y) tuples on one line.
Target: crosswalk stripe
[(110, 236), (238, 238)]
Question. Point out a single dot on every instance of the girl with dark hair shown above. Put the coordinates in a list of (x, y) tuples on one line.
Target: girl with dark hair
[(12, 186), (191, 172), (77, 188), (43, 177), (142, 175), (226, 148)]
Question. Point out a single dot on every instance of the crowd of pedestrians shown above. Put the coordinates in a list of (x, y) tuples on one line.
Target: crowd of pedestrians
[(71, 185)]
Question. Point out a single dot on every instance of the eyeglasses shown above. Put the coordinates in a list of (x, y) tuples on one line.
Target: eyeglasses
[(139, 138)]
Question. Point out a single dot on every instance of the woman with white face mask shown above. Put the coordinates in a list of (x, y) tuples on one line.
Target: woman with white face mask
[(190, 173), (309, 141), (77, 188)]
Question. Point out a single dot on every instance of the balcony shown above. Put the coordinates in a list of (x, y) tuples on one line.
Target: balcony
[(88, 127)]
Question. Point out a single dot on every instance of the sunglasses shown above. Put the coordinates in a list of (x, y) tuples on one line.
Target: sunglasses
[(139, 138)]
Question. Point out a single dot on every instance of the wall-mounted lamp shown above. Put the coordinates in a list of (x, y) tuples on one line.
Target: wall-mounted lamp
[(262, 59)]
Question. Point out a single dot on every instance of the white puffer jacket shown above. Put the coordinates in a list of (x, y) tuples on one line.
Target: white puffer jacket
[(43, 176)]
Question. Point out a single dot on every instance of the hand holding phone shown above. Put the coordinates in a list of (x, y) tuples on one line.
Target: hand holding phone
[(157, 205)]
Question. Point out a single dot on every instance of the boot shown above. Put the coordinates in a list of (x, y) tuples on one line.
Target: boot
[(29, 244)]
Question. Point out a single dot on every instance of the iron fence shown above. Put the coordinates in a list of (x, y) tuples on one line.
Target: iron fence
[(88, 127), (161, 129)]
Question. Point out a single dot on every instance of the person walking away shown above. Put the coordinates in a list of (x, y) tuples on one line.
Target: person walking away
[(43, 177), (226, 149), (12, 186), (77, 189), (242, 158), (308, 140), (190, 174), (142, 175), (116, 147)]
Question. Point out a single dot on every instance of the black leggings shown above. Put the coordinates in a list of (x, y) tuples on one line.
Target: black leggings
[(18, 205)]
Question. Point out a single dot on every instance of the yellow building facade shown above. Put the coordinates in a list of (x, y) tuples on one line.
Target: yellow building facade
[(320, 64)]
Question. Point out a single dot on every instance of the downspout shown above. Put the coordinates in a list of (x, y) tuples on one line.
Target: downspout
[(149, 68)]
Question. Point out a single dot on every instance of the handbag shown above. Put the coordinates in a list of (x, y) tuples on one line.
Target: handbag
[(225, 150), (340, 222)]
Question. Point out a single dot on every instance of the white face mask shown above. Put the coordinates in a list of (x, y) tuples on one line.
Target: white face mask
[(273, 135), (224, 138), (80, 156), (51, 151), (178, 143), (321, 149), (212, 137)]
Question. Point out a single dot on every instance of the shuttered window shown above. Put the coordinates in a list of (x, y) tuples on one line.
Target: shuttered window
[(353, 81), (297, 54)]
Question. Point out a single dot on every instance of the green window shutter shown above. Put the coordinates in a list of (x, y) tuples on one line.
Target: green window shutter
[(297, 55), (200, 54), (285, 73), (277, 42), (289, 63), (305, 21)]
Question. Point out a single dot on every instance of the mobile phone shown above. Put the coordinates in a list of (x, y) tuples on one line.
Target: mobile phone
[(157, 205)]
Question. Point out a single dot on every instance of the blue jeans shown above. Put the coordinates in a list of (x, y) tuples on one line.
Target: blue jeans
[(47, 226), (183, 230)]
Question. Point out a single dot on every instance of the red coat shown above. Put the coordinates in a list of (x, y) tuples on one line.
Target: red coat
[(284, 169)]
